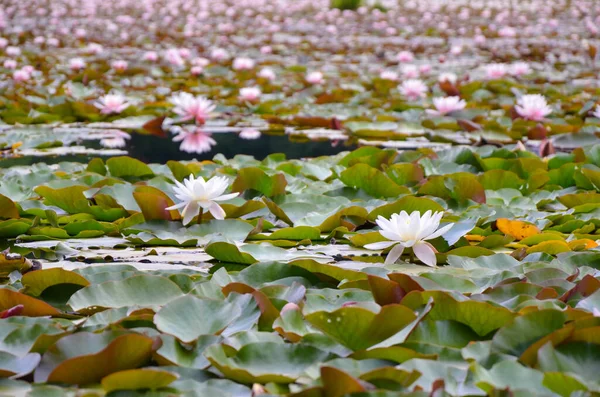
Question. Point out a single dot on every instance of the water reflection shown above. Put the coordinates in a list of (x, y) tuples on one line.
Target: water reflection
[(152, 149)]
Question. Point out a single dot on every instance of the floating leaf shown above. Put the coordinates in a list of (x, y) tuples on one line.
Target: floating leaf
[(85, 358), (265, 362), (188, 317), (136, 379), (517, 229), (372, 181)]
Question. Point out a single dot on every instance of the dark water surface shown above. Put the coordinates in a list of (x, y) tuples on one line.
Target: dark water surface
[(153, 149)]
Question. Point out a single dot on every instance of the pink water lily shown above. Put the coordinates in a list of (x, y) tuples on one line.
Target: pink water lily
[(190, 107), (533, 107), (445, 105), (410, 231), (243, 63), (250, 133), (250, 94), (112, 103), (76, 64), (413, 89), (193, 139), (315, 78)]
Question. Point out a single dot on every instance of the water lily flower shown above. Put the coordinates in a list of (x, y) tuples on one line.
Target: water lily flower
[(447, 77), (174, 58), (76, 64), (112, 103), (520, 69), (258, 389), (410, 231), (405, 56), (445, 105), (413, 89), (410, 71), (13, 51), (267, 74), (196, 194), (21, 75), (250, 133), (196, 70), (119, 65), (456, 49), (94, 48), (199, 61), (250, 94), (193, 139), (495, 71), (116, 140), (190, 107), (388, 75), (185, 53), (219, 54), (10, 64), (425, 68), (243, 63), (533, 107), (151, 56), (315, 78), (507, 31)]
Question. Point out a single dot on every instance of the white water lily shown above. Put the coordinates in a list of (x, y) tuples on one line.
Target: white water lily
[(196, 194), (406, 231)]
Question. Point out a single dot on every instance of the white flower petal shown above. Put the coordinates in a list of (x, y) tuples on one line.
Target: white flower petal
[(380, 245), (177, 206), (440, 232), (189, 212), (226, 197), (425, 253), (394, 254), (216, 211)]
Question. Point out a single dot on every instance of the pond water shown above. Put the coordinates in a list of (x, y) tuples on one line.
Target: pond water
[(153, 149)]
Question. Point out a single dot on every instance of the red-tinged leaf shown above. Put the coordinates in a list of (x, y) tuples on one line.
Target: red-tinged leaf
[(587, 286), (592, 51), (538, 132), (338, 383), (574, 276), (547, 293), (385, 291), (514, 114), (405, 282), (154, 203), (546, 148), (438, 384), (154, 127), (31, 307), (336, 124), (468, 125), (449, 88), (269, 312), (13, 311)]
